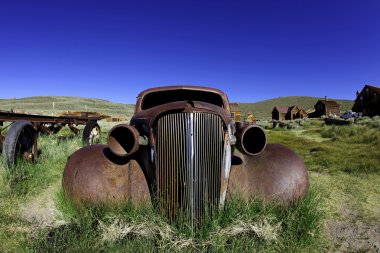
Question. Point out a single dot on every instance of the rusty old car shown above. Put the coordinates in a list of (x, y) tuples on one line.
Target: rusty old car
[(183, 153)]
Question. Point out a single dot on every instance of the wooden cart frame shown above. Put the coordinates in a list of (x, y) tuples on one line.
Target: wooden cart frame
[(21, 138)]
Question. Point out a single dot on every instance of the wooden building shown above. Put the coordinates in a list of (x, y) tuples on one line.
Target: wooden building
[(279, 112), (250, 118), (293, 111), (288, 113), (301, 114), (235, 112), (326, 107), (368, 101)]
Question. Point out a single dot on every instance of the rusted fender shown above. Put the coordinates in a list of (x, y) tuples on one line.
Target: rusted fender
[(277, 174), (1, 143), (94, 175)]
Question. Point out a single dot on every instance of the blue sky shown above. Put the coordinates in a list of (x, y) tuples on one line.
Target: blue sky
[(253, 50)]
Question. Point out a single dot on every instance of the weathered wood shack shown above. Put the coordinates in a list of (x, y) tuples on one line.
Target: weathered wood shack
[(310, 112), (251, 118), (235, 112), (301, 114), (279, 112), (325, 107), (368, 101), (292, 112), (288, 113)]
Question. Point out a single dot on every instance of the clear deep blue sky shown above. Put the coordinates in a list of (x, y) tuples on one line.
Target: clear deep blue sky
[(253, 50)]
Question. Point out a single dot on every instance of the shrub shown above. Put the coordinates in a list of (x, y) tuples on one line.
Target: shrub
[(265, 124), (292, 125)]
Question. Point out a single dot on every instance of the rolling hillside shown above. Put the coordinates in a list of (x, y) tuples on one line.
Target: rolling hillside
[(44, 105), (263, 109)]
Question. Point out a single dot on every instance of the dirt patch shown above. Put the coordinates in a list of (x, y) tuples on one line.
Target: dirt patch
[(351, 205), (41, 210), (352, 234)]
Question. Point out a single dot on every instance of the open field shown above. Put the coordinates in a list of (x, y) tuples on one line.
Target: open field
[(44, 105), (344, 167), (341, 213)]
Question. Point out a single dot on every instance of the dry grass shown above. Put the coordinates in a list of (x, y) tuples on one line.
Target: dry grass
[(169, 238), (260, 228)]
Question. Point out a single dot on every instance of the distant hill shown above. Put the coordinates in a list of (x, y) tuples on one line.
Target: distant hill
[(44, 105), (263, 109)]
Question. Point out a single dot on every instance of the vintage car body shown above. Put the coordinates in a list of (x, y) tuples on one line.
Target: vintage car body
[(183, 153)]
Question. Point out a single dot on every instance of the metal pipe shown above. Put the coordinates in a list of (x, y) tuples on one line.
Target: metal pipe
[(123, 140), (251, 139)]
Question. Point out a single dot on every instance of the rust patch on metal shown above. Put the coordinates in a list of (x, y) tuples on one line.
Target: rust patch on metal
[(251, 139), (123, 140), (93, 175), (276, 174)]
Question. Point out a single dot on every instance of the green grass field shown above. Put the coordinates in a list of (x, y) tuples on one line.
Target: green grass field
[(341, 212), (44, 105)]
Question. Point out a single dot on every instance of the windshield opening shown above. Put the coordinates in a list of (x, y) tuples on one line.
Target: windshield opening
[(162, 97)]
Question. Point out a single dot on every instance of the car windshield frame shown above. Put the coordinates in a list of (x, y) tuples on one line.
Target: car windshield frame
[(161, 97)]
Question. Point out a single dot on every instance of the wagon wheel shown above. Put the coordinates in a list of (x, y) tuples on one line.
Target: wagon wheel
[(91, 133), (20, 141)]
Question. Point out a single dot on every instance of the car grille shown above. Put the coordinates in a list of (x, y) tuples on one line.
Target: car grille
[(189, 164)]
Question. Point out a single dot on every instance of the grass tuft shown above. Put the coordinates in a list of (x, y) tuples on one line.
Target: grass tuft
[(241, 226)]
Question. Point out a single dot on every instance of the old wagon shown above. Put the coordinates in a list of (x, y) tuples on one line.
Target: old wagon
[(21, 137)]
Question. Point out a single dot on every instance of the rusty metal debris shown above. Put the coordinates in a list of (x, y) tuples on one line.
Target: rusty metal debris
[(277, 173), (181, 152), (21, 138)]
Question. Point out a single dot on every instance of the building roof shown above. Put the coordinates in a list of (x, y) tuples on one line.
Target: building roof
[(298, 107), (328, 102), (373, 88), (281, 109)]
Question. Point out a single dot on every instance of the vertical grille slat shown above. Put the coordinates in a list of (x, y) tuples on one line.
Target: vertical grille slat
[(189, 164)]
